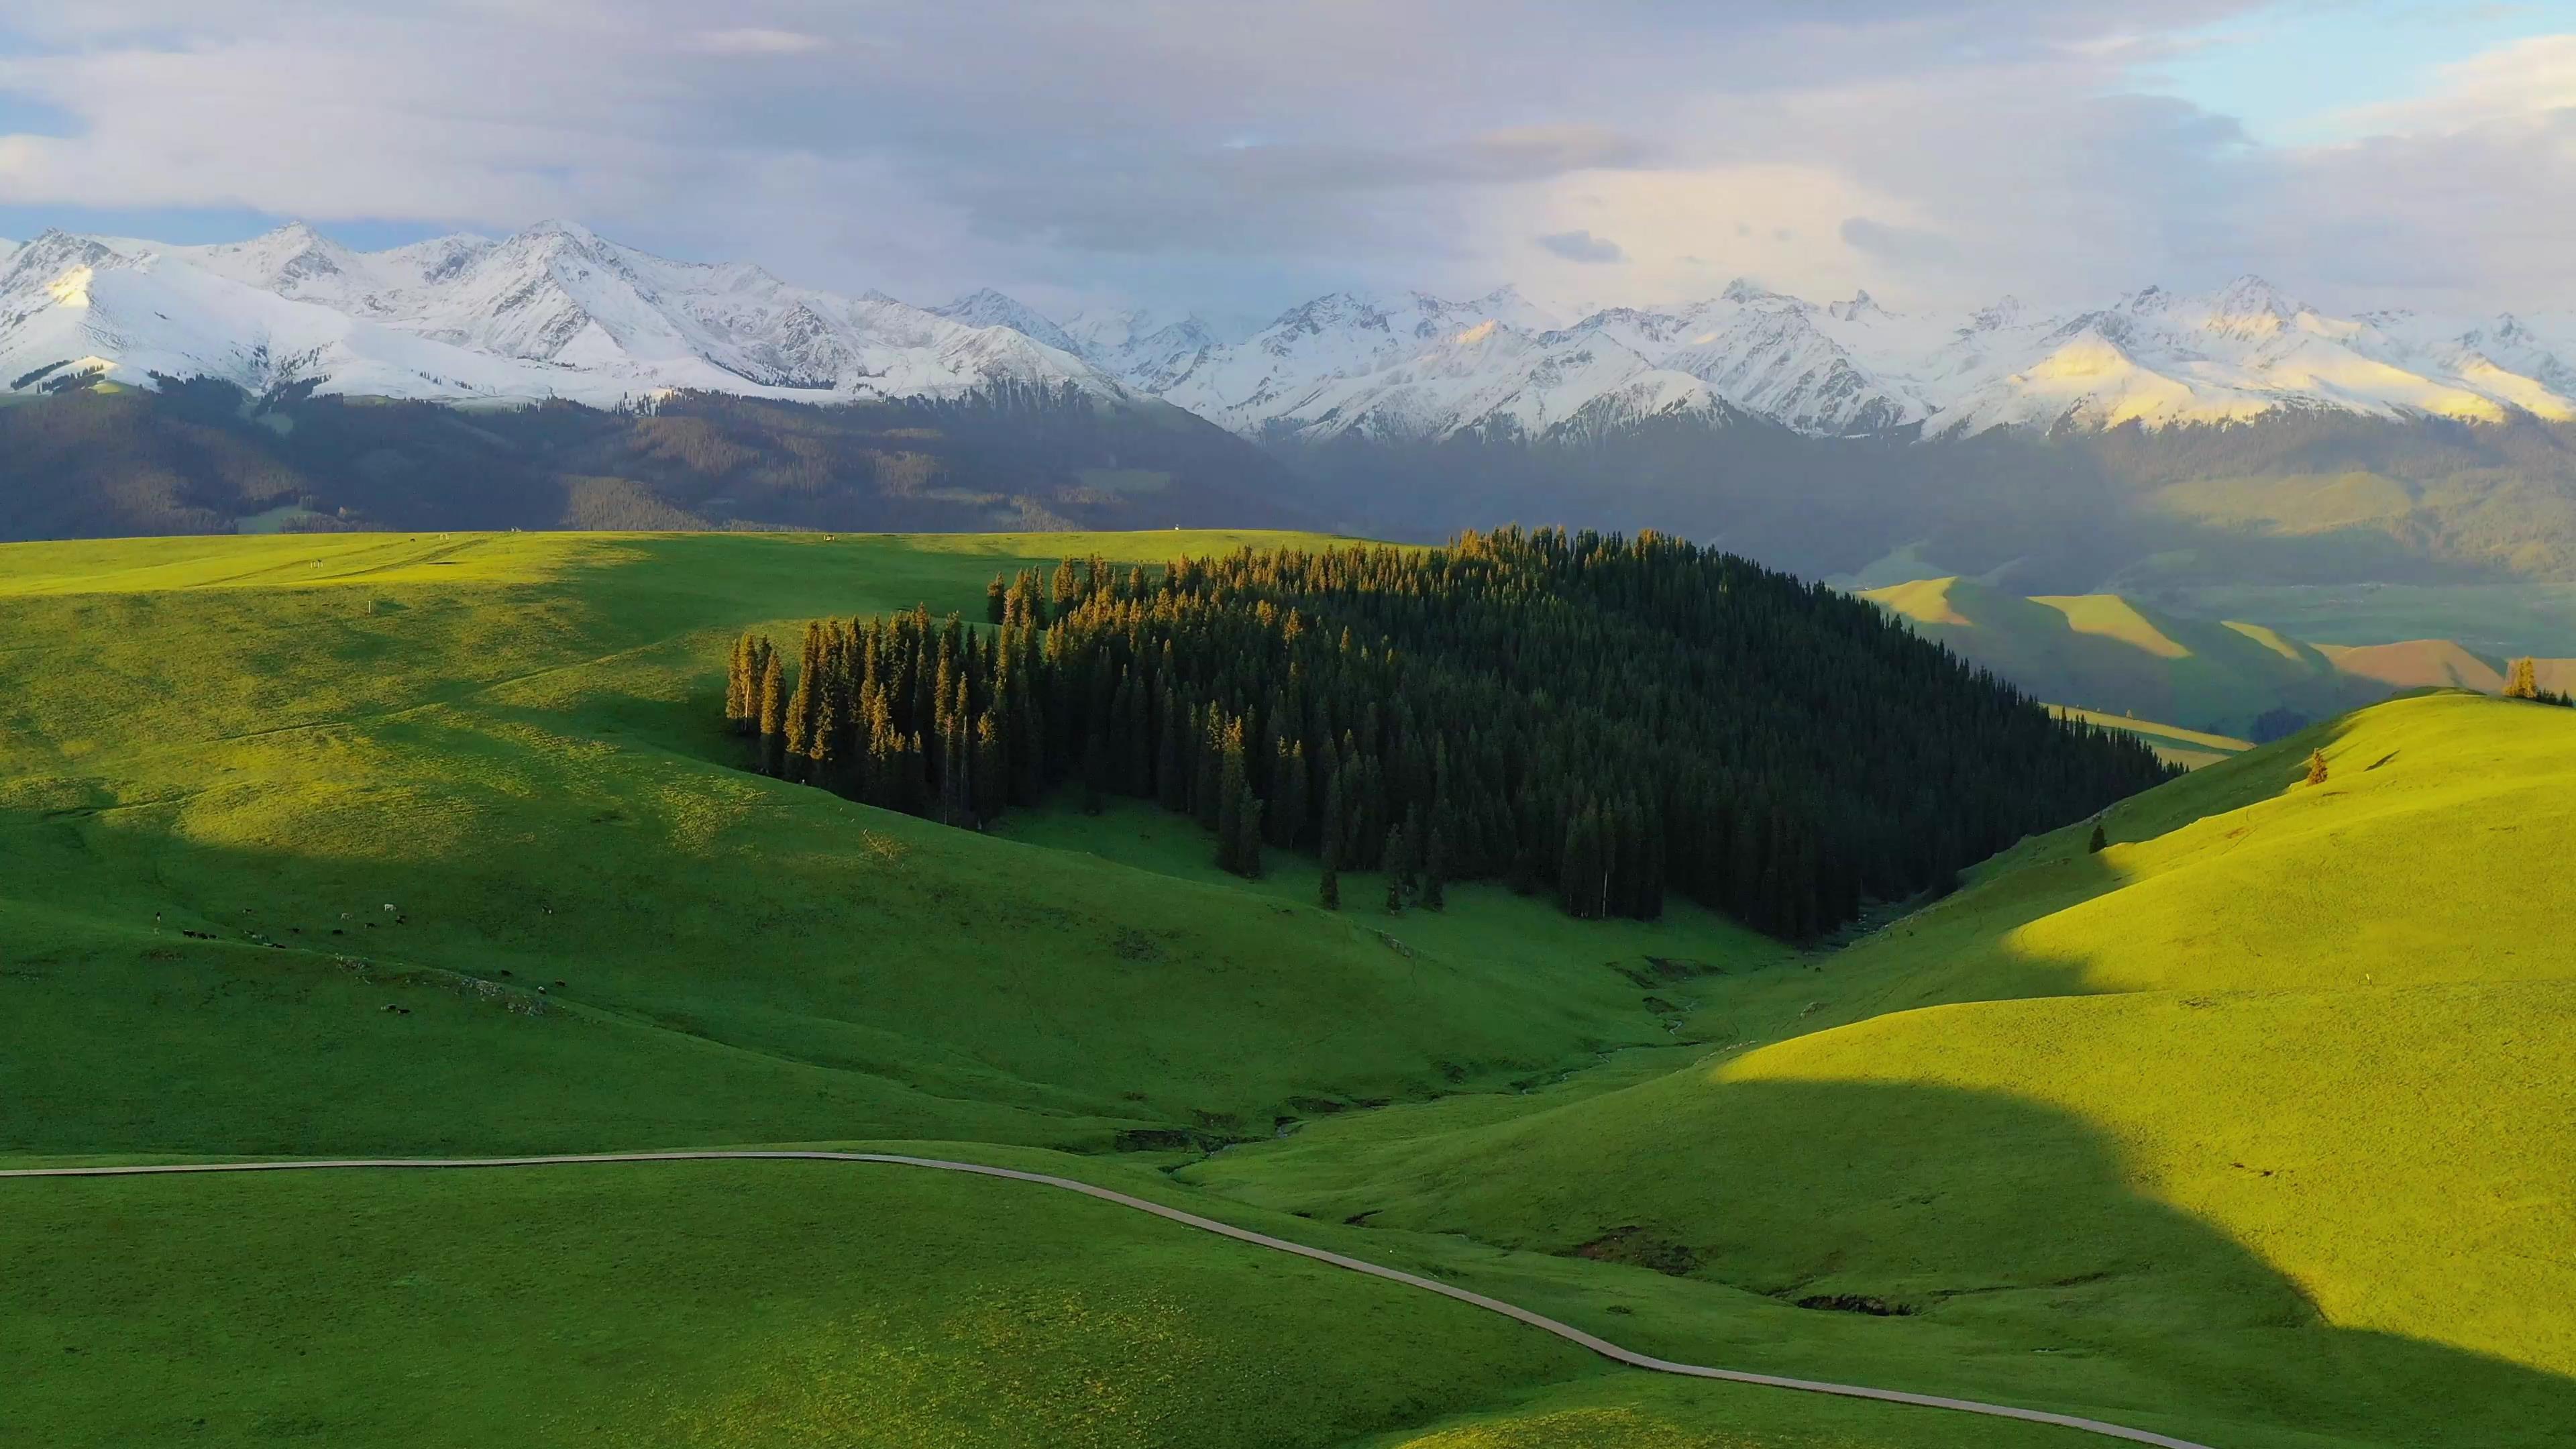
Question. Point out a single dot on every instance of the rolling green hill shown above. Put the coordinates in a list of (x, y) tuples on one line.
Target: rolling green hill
[(2240, 1130), (2265, 1100)]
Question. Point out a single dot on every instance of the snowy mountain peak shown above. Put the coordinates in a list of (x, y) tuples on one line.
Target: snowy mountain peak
[(989, 308), (2250, 295), (2004, 311), (554, 310), (1746, 292), (1861, 307)]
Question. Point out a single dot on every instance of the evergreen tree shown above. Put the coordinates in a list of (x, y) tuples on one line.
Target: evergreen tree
[(1095, 770), (2522, 680), (2100, 842), (996, 599), (1247, 849), (1210, 767), (1397, 861), (739, 685), (804, 706), (773, 715), (1286, 810), (1329, 829), (1328, 893), (1435, 869), (1234, 826), (2316, 767)]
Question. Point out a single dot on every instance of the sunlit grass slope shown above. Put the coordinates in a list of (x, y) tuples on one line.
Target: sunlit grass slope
[(602, 933), (2267, 1102), (2188, 748), (2108, 653)]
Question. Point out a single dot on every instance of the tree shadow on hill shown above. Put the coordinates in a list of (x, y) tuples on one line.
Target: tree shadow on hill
[(1937, 1240)]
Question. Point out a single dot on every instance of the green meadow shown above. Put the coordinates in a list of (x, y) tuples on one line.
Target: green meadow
[(2253, 1128)]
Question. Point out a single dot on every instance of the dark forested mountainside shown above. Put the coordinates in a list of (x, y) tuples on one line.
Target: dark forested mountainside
[(200, 457), (1608, 719)]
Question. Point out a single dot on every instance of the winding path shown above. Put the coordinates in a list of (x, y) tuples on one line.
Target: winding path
[(1566, 1331)]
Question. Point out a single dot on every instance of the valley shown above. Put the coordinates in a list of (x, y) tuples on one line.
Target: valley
[(421, 845)]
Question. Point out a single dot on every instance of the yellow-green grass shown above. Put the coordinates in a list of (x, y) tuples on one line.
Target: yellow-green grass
[(2188, 748), (2111, 654), (2266, 1104), (513, 741)]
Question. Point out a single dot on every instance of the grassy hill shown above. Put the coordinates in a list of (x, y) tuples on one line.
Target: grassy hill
[(513, 742), (2243, 1129), (2264, 1103)]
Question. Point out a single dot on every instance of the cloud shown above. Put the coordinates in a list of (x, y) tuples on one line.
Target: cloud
[(760, 42), (1896, 243), (1582, 246), (1235, 158)]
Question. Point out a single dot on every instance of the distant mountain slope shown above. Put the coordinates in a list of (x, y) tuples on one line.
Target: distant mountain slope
[(2440, 663), (2108, 653), (204, 457)]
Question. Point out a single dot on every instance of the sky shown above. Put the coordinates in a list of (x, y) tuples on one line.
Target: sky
[(1237, 158)]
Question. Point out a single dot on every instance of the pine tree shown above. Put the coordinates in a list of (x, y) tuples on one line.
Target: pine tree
[(1435, 868), (2316, 767), (1328, 893), (996, 598), (1397, 861), (1235, 822), (2523, 680), (773, 716), (1286, 810), (805, 706), (738, 686), (1208, 774), (2100, 842), (1329, 830), (1247, 849)]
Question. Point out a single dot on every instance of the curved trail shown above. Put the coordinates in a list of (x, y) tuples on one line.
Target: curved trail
[(1566, 1331)]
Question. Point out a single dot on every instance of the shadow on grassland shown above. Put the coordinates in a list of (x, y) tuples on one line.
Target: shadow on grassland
[(1945, 1240)]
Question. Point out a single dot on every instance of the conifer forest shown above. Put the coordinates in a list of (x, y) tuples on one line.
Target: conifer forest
[(1602, 718)]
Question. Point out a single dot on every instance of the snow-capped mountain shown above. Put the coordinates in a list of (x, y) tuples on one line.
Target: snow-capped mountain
[(558, 311), (988, 308), (1422, 368), (552, 311), (1141, 347)]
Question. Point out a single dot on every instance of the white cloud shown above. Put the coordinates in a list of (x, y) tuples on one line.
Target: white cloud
[(1937, 150), (1581, 247), (2523, 81), (760, 42)]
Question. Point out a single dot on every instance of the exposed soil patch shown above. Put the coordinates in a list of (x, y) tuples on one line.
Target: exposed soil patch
[(1639, 1248), (1856, 1303)]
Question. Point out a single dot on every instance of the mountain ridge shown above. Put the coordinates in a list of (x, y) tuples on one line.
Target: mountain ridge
[(556, 311)]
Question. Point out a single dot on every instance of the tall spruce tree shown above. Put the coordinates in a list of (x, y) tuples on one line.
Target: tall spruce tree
[(773, 715)]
